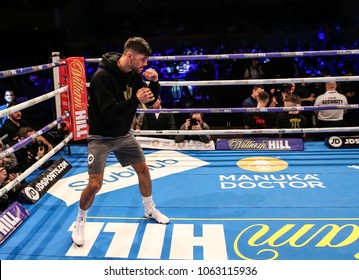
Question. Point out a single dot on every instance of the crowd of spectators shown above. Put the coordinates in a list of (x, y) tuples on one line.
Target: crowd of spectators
[(332, 37)]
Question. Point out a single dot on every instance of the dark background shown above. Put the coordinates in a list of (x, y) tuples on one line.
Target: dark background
[(31, 30)]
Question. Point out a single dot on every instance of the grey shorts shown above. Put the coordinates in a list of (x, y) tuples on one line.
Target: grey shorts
[(126, 149)]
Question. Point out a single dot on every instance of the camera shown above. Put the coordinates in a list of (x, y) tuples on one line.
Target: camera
[(34, 146), (11, 168), (40, 143), (193, 121), (277, 94)]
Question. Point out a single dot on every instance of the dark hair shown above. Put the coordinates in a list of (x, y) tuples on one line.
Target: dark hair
[(23, 131), (286, 87), (263, 96), (291, 99), (191, 115), (12, 103), (258, 86), (138, 45)]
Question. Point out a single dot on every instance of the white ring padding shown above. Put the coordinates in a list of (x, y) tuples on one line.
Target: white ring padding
[(247, 131), (33, 167), (32, 102)]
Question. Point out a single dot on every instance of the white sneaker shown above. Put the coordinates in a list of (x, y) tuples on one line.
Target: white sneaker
[(78, 235), (155, 214)]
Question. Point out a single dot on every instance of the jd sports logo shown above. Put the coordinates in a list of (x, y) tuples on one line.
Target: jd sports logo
[(262, 164), (335, 141)]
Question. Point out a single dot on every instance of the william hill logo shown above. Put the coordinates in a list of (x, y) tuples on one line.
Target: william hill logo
[(77, 86), (260, 144)]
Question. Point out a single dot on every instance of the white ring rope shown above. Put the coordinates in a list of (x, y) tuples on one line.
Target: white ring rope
[(25, 70), (244, 55), (32, 102), (25, 105), (249, 109), (32, 137), (33, 167), (247, 131), (258, 81)]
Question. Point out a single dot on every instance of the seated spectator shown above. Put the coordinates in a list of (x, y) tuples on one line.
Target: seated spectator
[(291, 119), (9, 97), (158, 121), (195, 122), (8, 172), (9, 159), (32, 152), (254, 70), (260, 120), (330, 118), (12, 126)]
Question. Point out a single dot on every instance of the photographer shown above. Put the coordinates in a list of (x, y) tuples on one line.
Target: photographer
[(13, 125), (8, 172), (32, 152), (195, 122)]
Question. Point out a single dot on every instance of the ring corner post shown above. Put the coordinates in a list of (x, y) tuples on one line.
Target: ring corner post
[(76, 74)]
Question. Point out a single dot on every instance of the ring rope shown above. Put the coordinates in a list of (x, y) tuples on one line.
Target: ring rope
[(30, 138), (32, 102), (247, 131), (244, 55), (33, 167), (23, 105), (250, 109), (25, 70), (260, 81)]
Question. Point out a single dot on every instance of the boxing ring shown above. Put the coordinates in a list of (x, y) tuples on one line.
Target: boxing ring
[(224, 204)]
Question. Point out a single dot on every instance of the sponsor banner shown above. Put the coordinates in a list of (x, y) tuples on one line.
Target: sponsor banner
[(11, 218), (237, 238), (64, 96), (38, 187), (170, 144), (78, 97), (342, 142), (160, 164), (267, 144)]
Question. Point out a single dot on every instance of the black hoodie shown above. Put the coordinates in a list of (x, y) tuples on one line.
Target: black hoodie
[(110, 113)]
